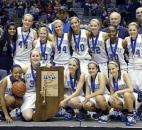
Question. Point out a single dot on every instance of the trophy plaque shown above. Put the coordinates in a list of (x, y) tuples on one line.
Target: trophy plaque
[(49, 92)]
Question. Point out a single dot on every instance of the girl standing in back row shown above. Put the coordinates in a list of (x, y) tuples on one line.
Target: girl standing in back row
[(133, 44), (24, 44), (114, 47), (78, 39), (61, 45), (97, 45), (45, 46)]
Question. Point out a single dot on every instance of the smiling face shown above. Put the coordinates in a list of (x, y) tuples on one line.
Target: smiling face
[(115, 18), (113, 69), (17, 73), (94, 26), (92, 69), (133, 30), (35, 57), (112, 32), (43, 33), (12, 30), (75, 24), (27, 22), (72, 66), (58, 26)]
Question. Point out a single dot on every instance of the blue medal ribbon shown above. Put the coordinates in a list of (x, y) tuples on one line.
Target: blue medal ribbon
[(59, 44), (94, 43), (33, 74), (113, 49), (24, 40), (72, 83), (93, 86), (133, 45), (43, 49), (77, 40), (115, 84)]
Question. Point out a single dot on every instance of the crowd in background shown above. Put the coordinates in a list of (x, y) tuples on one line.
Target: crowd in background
[(46, 10)]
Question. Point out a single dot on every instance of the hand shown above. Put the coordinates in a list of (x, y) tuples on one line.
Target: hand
[(115, 95), (48, 66), (86, 99), (62, 103), (8, 119)]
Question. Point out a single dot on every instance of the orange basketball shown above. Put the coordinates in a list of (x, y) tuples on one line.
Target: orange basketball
[(18, 88)]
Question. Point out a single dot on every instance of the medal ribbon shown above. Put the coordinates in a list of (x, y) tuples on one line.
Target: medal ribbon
[(43, 49), (33, 74), (113, 49), (77, 40), (24, 40), (94, 43), (59, 44), (72, 83), (93, 86), (115, 84), (133, 45)]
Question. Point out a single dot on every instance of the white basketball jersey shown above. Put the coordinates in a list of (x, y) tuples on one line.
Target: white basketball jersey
[(68, 86), (96, 82), (136, 59), (98, 53), (119, 52), (29, 80), (82, 53), (46, 58), (121, 82), (62, 56), (23, 49)]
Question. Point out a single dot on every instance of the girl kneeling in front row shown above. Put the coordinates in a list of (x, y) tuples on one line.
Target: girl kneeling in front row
[(95, 98), (74, 82), (122, 95)]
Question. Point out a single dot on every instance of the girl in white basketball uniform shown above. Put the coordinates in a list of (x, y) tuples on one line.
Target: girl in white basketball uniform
[(97, 45), (114, 46), (61, 45), (24, 44), (8, 100), (74, 81), (122, 96), (134, 47), (79, 41), (96, 92), (45, 46), (30, 77)]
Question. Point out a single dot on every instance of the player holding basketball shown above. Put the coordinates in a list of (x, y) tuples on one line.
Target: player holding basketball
[(6, 96), (30, 77)]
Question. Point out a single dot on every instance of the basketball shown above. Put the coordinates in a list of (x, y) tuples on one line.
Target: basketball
[(18, 88)]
